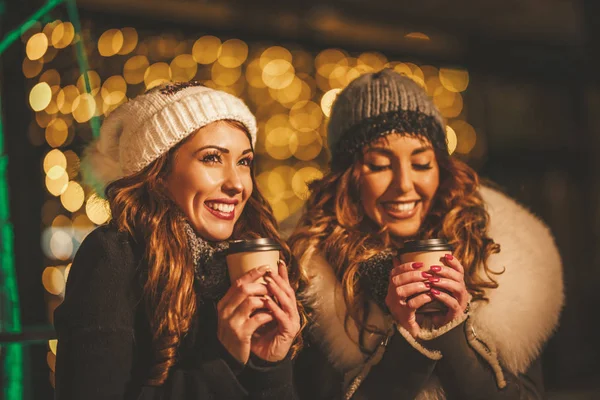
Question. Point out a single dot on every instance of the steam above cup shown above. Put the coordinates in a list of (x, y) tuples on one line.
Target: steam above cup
[(246, 255), (429, 252)]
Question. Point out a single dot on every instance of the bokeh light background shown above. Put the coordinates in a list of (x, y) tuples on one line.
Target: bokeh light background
[(289, 88)]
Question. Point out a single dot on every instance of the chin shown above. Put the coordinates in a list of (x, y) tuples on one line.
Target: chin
[(403, 231)]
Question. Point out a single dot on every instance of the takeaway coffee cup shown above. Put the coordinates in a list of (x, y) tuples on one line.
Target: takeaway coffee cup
[(429, 253), (245, 255)]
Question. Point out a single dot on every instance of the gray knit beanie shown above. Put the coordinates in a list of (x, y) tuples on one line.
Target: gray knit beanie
[(375, 105)]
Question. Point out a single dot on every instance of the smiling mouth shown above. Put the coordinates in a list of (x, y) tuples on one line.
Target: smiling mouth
[(225, 211), (401, 209)]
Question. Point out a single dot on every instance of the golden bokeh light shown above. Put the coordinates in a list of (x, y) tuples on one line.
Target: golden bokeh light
[(62, 221), (233, 53), (465, 134), (279, 180), (84, 107), (32, 68), (444, 98), (375, 61), (97, 209), (66, 97), (57, 186), (206, 50), (135, 68), (73, 197), (114, 90), (94, 80), (327, 60), (63, 35), (455, 109), (157, 74), (451, 138), (40, 96), (53, 280), (454, 80), (57, 132), (54, 158), (277, 143), (53, 344), (278, 74), (417, 35), (37, 45), (61, 245), (110, 42), (301, 179), (306, 146), (130, 41), (306, 116), (183, 68), (327, 101), (254, 74), (274, 53), (290, 94), (280, 210), (223, 76)]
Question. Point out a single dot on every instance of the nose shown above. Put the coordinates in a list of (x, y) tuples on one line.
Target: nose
[(404, 179), (232, 183)]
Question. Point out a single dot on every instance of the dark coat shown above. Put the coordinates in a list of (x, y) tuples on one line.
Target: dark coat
[(104, 339)]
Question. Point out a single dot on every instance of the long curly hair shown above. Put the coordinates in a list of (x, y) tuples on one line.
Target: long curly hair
[(142, 207), (335, 226)]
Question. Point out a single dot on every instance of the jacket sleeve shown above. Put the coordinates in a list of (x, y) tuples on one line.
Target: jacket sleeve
[(464, 374), (98, 351)]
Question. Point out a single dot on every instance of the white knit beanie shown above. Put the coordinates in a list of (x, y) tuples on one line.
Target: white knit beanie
[(143, 129)]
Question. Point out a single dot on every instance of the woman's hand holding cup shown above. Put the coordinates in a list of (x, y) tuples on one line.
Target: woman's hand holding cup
[(451, 278), (274, 343), (408, 290), (237, 316)]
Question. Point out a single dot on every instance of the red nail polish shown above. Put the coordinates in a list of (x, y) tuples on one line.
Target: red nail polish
[(433, 279), (449, 257), (426, 275), (417, 265), (427, 285), (435, 268), (435, 291)]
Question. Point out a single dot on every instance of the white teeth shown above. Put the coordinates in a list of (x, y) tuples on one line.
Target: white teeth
[(222, 207), (402, 207)]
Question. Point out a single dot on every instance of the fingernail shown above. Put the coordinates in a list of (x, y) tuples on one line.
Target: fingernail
[(435, 291), (427, 285), (417, 265), (268, 279), (426, 275), (449, 257), (435, 268), (433, 279)]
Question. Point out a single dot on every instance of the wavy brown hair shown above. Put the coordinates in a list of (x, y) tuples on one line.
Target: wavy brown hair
[(335, 226), (142, 207)]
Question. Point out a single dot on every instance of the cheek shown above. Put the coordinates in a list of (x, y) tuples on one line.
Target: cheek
[(371, 189)]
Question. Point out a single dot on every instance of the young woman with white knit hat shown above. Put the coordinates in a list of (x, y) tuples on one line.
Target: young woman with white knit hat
[(149, 310)]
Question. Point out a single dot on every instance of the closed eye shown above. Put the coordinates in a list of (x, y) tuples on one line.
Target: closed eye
[(422, 167), (378, 168)]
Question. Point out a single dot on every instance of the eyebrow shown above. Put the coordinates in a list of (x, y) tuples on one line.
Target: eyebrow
[(221, 149), (390, 153)]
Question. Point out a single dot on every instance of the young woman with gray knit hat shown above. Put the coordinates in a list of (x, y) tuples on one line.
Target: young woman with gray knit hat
[(149, 311), (470, 324)]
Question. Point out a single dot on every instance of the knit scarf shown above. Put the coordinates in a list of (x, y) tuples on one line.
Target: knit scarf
[(210, 266)]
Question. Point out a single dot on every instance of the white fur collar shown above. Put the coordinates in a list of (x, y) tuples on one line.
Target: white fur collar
[(522, 312)]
